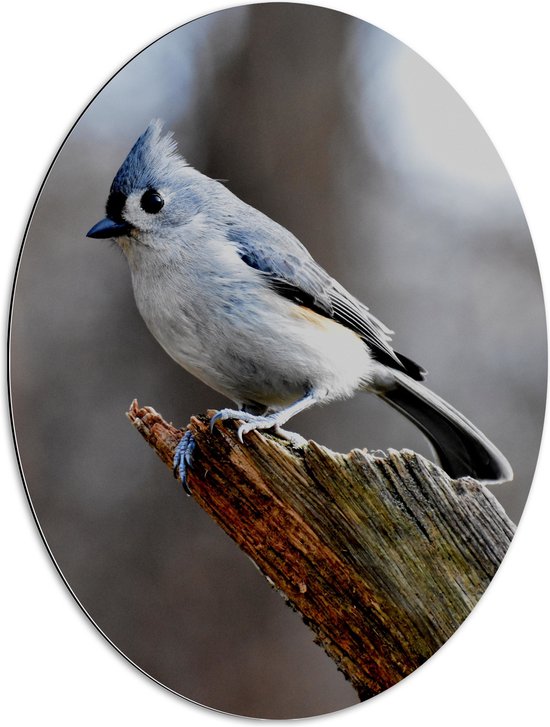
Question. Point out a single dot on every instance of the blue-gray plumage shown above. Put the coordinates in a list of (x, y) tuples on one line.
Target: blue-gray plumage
[(238, 301)]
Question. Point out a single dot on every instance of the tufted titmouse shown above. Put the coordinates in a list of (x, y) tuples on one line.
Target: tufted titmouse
[(237, 300)]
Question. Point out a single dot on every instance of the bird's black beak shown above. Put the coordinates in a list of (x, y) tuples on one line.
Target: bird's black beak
[(109, 228)]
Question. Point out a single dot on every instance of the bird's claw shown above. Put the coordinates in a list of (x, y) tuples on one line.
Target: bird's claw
[(249, 427), (183, 459), (218, 417), (224, 414), (252, 422)]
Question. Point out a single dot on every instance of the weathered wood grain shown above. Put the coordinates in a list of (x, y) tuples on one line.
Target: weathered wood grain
[(383, 556)]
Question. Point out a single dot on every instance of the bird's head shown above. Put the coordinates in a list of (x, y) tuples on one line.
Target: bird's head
[(153, 191)]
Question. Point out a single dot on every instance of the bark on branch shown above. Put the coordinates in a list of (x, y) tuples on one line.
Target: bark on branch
[(383, 556)]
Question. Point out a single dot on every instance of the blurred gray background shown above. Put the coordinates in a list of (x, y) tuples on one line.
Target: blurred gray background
[(350, 140)]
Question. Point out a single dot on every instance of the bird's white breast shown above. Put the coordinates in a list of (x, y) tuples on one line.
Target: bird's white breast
[(218, 318)]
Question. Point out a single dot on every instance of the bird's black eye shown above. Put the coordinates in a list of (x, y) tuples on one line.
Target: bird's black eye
[(151, 202)]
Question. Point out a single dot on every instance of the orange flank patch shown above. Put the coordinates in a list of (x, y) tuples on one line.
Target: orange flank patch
[(323, 322)]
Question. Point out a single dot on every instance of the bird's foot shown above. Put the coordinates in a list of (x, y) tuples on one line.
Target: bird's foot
[(183, 459), (254, 421), (251, 421), (223, 414)]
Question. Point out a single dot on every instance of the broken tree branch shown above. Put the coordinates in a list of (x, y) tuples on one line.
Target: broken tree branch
[(383, 556)]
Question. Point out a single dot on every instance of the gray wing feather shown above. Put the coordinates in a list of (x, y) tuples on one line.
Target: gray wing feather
[(291, 271)]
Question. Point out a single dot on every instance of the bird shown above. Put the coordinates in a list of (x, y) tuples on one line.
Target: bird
[(238, 301)]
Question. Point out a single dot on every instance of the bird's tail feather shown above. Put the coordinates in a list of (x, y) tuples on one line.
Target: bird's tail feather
[(461, 448)]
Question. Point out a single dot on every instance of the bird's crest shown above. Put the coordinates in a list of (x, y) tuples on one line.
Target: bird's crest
[(151, 162)]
